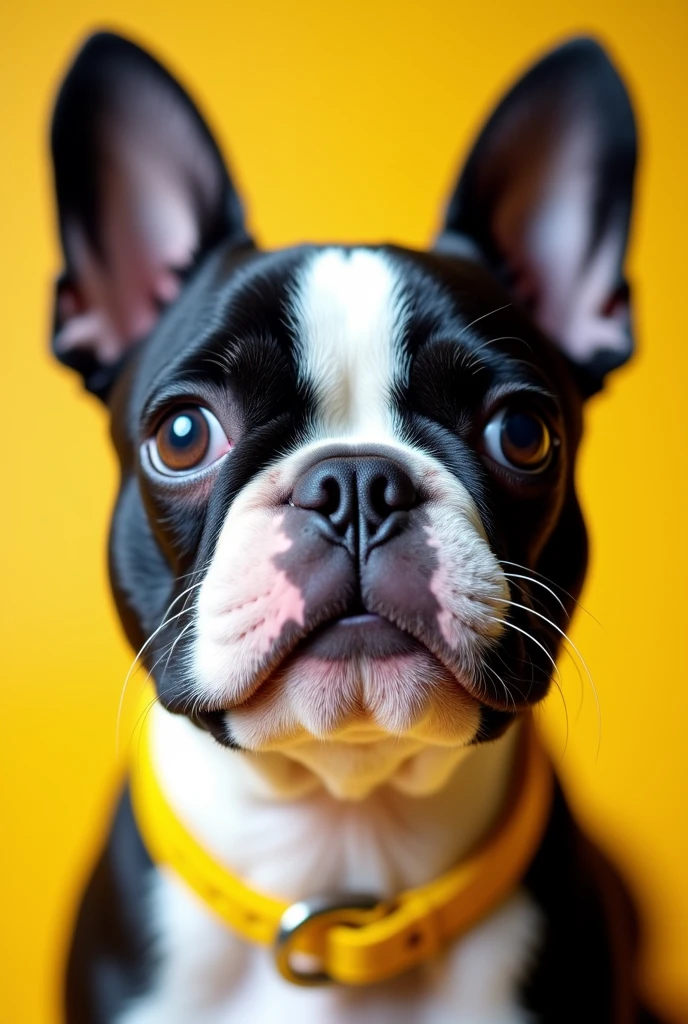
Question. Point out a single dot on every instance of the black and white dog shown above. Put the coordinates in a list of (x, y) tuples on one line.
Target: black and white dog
[(348, 539)]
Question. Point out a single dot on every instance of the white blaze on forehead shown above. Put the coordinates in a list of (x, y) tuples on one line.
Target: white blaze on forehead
[(348, 313)]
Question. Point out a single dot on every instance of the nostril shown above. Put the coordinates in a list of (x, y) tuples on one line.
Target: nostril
[(390, 492), (378, 496), (318, 493), (330, 497)]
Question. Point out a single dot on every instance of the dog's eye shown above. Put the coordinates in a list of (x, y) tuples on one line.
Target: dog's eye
[(187, 441), (520, 440)]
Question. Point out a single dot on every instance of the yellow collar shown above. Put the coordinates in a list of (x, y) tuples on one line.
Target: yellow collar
[(358, 940)]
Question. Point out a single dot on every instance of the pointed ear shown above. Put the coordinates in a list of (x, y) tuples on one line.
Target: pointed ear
[(142, 192), (545, 200)]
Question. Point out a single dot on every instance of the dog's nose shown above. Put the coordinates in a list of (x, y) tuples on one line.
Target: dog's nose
[(364, 500)]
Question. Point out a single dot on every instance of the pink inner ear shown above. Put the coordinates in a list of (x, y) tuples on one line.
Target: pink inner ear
[(544, 225), (148, 228), (157, 177)]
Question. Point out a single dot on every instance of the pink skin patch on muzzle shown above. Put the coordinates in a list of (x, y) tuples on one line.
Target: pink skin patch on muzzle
[(284, 601), (270, 582)]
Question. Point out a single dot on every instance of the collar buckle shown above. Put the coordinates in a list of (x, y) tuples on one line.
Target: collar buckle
[(302, 932)]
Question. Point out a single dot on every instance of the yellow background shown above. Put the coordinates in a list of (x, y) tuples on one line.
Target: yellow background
[(344, 121)]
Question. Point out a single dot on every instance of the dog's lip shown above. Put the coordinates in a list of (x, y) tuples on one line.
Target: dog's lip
[(355, 632), (359, 619), (360, 633)]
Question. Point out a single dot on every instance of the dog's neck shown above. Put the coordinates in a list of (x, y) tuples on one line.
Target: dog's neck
[(272, 821)]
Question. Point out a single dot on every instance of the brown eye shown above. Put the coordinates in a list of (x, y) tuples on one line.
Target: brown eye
[(520, 440), (187, 440)]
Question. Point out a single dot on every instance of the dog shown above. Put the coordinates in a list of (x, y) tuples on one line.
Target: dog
[(347, 545)]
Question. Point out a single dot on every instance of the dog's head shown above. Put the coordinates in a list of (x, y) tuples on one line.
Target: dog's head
[(347, 518)]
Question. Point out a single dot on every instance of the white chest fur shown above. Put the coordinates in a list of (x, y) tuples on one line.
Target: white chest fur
[(312, 843)]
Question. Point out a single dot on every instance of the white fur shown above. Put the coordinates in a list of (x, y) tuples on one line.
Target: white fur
[(348, 318), (296, 841)]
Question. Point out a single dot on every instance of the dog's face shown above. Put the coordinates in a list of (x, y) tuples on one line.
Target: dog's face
[(347, 516)]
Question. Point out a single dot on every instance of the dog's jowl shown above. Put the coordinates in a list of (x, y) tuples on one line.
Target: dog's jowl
[(347, 545)]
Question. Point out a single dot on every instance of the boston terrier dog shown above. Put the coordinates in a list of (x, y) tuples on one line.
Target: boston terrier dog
[(347, 545)]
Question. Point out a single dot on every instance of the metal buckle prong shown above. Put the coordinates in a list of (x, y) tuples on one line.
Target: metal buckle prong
[(342, 908)]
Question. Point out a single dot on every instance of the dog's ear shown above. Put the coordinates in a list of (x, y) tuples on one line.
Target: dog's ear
[(545, 200), (142, 192)]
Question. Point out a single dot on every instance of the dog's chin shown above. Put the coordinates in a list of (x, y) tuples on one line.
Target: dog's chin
[(359, 703), (353, 771)]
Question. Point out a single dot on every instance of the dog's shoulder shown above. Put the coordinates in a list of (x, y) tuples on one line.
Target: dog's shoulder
[(592, 933), (110, 956)]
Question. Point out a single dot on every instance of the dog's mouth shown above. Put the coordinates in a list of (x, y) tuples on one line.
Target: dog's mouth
[(357, 633), (394, 669)]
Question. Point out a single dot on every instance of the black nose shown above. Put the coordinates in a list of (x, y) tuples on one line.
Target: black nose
[(364, 501)]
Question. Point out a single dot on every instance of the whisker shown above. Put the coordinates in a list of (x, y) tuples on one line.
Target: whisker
[(517, 565), (581, 685), (556, 669), (186, 628), (513, 337), (143, 715), (464, 329), (166, 651), (583, 662), (520, 576), (566, 718), (496, 654), (166, 620), (473, 361), (504, 622), (195, 572), (134, 666), (509, 696), (140, 721)]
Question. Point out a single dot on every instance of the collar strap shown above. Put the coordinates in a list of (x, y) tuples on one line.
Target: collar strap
[(357, 939)]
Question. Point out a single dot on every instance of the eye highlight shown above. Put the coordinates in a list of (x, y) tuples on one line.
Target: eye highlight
[(187, 441), (520, 439)]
